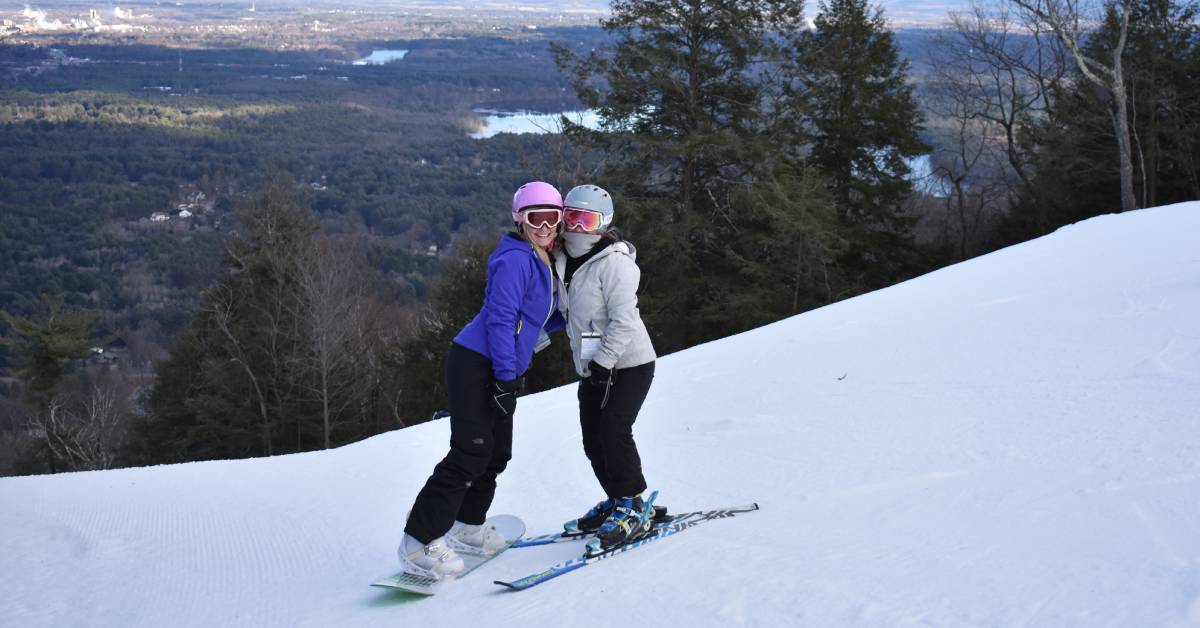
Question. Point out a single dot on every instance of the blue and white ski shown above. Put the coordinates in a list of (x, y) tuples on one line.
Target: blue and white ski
[(553, 537), (675, 525)]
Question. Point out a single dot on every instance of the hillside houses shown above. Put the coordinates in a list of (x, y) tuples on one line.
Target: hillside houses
[(193, 204)]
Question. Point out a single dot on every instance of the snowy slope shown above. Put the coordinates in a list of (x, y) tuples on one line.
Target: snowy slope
[(1012, 441)]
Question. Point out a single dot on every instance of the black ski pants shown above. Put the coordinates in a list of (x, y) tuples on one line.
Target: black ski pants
[(464, 482), (608, 430)]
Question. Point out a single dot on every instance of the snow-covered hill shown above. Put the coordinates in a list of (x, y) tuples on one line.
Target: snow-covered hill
[(1012, 441)]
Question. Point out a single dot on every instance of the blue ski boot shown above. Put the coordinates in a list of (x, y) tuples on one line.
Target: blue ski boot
[(592, 520), (631, 519)]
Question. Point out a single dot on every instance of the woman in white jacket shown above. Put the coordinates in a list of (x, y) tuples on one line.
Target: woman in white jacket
[(597, 283)]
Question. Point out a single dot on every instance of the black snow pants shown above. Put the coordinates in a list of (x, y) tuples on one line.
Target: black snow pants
[(608, 431), (464, 482)]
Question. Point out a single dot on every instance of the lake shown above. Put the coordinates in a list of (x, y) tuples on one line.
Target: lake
[(380, 57), (496, 122)]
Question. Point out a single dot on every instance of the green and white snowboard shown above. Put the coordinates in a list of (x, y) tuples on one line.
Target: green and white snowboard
[(512, 528)]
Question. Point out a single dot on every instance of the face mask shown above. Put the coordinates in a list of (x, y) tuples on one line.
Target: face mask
[(578, 244)]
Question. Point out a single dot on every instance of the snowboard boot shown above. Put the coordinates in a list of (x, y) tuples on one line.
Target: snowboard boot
[(435, 559), (630, 519), (594, 518), (482, 540)]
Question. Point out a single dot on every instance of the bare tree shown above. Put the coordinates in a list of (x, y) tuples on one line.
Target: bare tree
[(276, 234), (221, 304), (971, 165), (86, 433), (990, 75), (998, 71), (567, 145), (1066, 18), (337, 311)]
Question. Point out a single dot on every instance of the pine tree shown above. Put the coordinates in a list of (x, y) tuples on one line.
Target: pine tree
[(56, 436), (863, 122), (681, 89), (235, 385), (286, 352), (692, 151), (43, 347)]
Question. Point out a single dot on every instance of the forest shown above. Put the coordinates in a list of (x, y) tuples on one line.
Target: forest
[(338, 216)]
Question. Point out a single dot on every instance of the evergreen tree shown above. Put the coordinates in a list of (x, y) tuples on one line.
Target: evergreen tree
[(692, 152), (863, 122), (235, 384), (679, 93), (59, 432), (43, 347), (1071, 157), (856, 119)]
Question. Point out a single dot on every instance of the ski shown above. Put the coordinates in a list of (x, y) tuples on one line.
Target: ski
[(553, 537), (674, 526), (511, 527)]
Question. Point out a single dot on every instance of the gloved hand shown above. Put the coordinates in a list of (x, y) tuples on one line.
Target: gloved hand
[(600, 377), (504, 395)]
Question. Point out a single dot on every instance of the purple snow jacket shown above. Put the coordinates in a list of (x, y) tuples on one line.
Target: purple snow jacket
[(518, 303)]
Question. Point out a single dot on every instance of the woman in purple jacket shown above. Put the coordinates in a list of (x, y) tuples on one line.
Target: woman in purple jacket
[(483, 376)]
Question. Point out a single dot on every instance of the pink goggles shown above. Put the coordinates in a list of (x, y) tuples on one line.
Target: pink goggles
[(582, 218), (540, 217)]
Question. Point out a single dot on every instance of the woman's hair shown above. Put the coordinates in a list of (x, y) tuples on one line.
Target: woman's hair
[(542, 253)]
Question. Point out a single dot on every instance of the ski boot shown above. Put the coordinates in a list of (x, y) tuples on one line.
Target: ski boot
[(591, 521), (630, 520), (434, 559), (479, 540)]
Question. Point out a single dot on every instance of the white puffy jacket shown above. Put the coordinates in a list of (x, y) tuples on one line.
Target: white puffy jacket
[(603, 299)]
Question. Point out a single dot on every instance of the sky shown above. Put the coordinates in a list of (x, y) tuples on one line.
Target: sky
[(1010, 441)]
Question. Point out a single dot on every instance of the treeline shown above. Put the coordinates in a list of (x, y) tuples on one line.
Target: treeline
[(761, 167)]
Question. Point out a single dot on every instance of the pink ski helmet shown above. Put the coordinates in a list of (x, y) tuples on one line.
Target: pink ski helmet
[(533, 195)]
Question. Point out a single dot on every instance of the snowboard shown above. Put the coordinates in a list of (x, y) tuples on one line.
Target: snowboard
[(512, 528)]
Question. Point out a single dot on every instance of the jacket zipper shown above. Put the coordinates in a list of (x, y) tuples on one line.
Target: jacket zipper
[(578, 366), (549, 312)]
